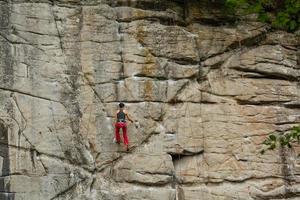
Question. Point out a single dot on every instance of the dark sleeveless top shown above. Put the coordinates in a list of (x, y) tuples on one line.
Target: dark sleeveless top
[(121, 116)]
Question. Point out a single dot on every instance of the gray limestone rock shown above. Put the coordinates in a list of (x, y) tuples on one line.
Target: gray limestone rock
[(203, 93)]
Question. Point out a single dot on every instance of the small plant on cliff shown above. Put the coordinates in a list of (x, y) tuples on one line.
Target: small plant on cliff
[(281, 14), (287, 139)]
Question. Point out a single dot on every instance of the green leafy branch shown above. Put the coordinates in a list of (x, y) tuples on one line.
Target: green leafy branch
[(281, 14), (284, 140)]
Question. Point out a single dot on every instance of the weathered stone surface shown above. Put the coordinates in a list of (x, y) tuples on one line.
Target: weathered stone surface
[(260, 189), (204, 92), (212, 41), (177, 44), (158, 170)]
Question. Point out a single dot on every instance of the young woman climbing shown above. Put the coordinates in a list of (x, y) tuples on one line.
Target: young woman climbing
[(121, 117)]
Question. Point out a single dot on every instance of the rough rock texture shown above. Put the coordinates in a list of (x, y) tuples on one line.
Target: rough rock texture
[(205, 92)]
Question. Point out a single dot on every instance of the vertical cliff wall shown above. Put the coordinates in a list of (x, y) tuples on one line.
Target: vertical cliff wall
[(204, 89)]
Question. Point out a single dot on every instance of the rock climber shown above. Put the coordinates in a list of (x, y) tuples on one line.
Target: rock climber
[(121, 117)]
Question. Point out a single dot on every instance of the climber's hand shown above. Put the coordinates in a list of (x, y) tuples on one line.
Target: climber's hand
[(136, 124)]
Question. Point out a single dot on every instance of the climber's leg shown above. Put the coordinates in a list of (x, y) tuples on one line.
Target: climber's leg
[(124, 130), (117, 132)]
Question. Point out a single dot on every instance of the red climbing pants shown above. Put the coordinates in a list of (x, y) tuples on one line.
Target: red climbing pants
[(123, 126)]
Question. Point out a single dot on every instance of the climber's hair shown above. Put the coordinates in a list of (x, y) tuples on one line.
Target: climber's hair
[(121, 105)]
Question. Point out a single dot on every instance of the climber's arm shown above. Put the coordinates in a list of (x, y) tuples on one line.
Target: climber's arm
[(115, 119), (128, 117)]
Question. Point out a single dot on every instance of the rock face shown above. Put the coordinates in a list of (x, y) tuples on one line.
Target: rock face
[(205, 93)]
